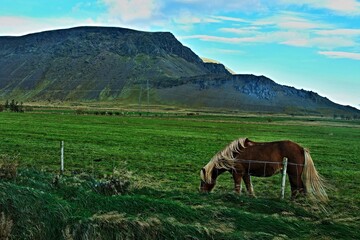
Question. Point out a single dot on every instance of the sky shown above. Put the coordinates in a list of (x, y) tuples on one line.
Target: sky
[(309, 44)]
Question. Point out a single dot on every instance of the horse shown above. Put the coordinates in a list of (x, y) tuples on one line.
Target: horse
[(244, 158)]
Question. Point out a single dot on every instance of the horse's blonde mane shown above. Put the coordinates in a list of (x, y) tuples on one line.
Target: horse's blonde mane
[(224, 159)]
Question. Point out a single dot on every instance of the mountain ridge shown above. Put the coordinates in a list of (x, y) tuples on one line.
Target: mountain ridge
[(107, 63), (85, 58)]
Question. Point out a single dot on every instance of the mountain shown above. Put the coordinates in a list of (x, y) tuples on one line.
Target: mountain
[(92, 62), (250, 93), (107, 63)]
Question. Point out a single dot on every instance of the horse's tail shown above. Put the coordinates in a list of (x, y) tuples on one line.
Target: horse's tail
[(313, 182)]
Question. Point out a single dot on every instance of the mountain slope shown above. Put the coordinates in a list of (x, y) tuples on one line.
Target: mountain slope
[(105, 63), (92, 62), (249, 93)]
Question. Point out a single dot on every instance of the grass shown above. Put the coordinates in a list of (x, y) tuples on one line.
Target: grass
[(162, 154)]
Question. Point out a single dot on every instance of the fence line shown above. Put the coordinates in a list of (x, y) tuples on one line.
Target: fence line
[(285, 163), (61, 157), (267, 162), (259, 161), (90, 165)]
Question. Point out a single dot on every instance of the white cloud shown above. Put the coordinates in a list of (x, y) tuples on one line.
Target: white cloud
[(232, 40), (340, 31), (230, 51), (225, 18), (210, 38), (342, 7), (137, 14), (332, 42), (296, 42), (338, 54), (188, 18), (320, 42), (132, 10), (241, 31), (290, 28), (17, 26), (292, 20), (291, 38), (297, 24), (229, 5)]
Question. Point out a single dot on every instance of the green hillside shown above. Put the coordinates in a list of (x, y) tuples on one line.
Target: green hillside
[(87, 63)]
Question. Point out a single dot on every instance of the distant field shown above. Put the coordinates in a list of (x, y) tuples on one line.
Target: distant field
[(164, 153)]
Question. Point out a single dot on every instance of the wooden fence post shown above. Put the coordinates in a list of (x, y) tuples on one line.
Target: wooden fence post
[(61, 157), (285, 162)]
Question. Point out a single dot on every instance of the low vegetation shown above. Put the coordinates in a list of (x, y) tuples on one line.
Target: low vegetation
[(136, 177), (12, 106), (8, 167), (6, 225)]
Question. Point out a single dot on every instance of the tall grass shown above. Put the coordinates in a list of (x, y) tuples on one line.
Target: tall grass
[(8, 166), (6, 225)]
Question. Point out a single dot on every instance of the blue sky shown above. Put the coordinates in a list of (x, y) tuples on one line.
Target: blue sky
[(309, 44)]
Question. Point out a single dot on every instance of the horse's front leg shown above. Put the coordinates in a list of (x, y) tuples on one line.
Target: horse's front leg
[(237, 182), (249, 185)]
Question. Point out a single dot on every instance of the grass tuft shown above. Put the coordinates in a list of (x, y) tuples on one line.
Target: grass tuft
[(8, 166), (6, 225)]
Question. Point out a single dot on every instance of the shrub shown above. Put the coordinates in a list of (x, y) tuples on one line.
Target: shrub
[(14, 106), (112, 186), (117, 184), (8, 166)]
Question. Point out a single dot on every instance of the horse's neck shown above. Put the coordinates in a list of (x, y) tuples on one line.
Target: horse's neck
[(216, 172)]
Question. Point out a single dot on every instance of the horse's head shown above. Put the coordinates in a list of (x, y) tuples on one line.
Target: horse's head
[(206, 185), (220, 163)]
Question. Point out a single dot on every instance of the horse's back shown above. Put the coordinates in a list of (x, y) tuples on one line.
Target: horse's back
[(292, 151), (272, 151)]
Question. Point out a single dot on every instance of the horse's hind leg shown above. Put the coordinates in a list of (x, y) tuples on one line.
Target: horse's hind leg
[(248, 184), (297, 187), (237, 182)]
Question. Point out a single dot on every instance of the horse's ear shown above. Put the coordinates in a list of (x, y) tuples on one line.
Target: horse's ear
[(203, 170)]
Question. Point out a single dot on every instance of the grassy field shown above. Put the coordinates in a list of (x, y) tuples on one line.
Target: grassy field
[(160, 155)]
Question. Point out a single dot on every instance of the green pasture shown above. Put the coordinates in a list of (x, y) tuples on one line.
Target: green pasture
[(161, 155)]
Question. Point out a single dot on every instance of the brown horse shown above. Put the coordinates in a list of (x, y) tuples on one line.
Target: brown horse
[(244, 158)]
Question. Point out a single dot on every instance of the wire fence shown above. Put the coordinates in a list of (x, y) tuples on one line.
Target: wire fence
[(265, 164), (70, 157)]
